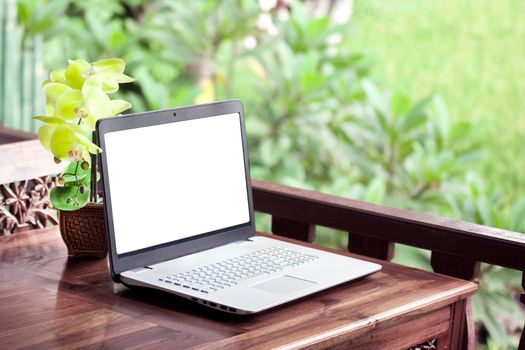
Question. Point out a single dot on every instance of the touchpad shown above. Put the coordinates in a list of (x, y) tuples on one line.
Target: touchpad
[(285, 285)]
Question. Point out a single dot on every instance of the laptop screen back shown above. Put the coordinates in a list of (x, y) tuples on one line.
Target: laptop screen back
[(176, 181)]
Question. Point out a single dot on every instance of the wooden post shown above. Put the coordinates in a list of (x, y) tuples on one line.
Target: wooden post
[(293, 229), (457, 338), (522, 298), (455, 266), (466, 269), (370, 246)]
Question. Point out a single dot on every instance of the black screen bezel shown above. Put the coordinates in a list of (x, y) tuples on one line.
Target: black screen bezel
[(170, 250)]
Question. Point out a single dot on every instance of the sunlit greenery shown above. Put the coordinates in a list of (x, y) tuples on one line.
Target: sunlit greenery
[(320, 112), (470, 52)]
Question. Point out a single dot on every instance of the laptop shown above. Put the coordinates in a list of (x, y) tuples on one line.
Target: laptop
[(179, 214)]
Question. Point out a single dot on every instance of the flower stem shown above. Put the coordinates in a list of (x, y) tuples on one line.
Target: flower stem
[(93, 180)]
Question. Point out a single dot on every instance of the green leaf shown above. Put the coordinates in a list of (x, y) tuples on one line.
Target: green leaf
[(42, 25), (83, 175), (441, 116), (98, 27), (309, 78), (400, 104), (416, 116), (317, 27), (375, 97), (375, 193), (23, 13), (156, 95), (69, 197), (517, 216), (71, 180), (270, 153)]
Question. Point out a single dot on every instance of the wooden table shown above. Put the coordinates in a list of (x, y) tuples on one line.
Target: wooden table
[(49, 301)]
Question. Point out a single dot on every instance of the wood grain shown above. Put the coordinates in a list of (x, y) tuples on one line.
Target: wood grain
[(11, 135), (456, 266), (466, 269), (436, 323), (293, 229), (26, 160), (48, 301), (522, 298), (457, 247), (370, 246)]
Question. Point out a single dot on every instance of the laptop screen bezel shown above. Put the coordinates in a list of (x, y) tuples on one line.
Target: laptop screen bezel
[(151, 255)]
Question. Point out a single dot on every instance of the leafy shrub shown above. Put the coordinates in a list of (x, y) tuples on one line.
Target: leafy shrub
[(314, 119)]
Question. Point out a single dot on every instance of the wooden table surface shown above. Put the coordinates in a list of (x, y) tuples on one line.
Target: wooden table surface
[(49, 301)]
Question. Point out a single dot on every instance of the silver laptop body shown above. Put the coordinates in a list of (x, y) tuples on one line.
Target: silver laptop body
[(179, 214)]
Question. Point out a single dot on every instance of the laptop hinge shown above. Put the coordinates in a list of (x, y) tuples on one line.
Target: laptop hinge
[(142, 269)]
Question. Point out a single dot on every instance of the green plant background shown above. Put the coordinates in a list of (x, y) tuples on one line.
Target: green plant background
[(470, 52), (414, 104)]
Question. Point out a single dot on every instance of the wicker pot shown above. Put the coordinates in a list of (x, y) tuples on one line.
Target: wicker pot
[(84, 231)]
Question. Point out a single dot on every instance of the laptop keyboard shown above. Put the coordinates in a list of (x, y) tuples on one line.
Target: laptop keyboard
[(227, 273)]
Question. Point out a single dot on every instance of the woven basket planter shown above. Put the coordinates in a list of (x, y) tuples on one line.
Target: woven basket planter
[(84, 231)]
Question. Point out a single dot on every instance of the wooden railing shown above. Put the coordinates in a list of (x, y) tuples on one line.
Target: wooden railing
[(25, 183), (457, 247), (11, 135)]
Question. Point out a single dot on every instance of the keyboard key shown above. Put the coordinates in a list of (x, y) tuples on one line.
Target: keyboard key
[(224, 274), (251, 276)]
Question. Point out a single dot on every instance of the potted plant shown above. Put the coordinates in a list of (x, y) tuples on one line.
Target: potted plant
[(76, 97)]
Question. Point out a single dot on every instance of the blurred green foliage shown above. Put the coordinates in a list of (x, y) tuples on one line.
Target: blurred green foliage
[(471, 53), (21, 69), (314, 117)]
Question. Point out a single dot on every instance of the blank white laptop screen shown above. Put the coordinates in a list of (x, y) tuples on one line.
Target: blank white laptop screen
[(176, 180)]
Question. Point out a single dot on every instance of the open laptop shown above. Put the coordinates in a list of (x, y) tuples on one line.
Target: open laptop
[(179, 214)]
